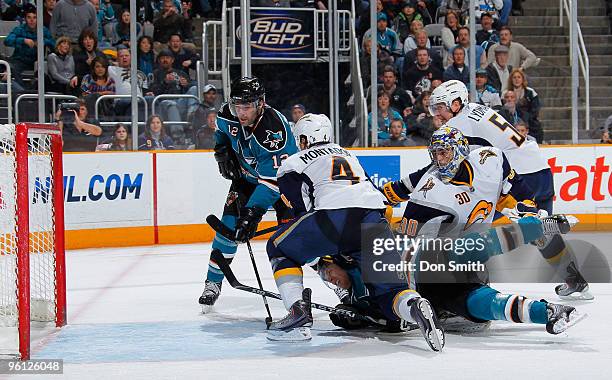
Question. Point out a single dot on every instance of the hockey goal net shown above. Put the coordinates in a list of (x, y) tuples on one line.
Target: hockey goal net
[(32, 266)]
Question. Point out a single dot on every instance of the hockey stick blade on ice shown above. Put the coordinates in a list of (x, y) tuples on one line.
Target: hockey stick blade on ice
[(217, 225), (218, 258)]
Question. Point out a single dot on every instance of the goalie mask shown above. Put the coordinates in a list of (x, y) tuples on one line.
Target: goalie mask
[(448, 148), (313, 129)]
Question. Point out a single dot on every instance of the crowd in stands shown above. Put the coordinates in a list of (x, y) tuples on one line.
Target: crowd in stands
[(412, 62), (419, 44)]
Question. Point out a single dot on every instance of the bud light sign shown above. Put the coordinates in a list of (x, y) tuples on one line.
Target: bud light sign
[(286, 34)]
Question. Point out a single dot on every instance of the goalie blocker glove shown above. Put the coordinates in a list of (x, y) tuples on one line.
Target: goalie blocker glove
[(246, 226), (228, 164)]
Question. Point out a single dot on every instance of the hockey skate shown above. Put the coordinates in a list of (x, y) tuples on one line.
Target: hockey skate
[(295, 326), (424, 315), (575, 287), (209, 296), (558, 224), (561, 317)]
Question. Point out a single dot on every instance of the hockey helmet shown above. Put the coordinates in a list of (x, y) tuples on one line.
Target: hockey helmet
[(313, 129), (446, 93), (454, 144), (246, 90)]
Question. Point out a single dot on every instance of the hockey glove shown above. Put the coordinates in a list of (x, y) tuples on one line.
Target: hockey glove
[(228, 164), (395, 192), (523, 209), (246, 226)]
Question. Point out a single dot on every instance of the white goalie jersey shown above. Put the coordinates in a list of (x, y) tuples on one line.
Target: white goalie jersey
[(327, 177), (482, 126)]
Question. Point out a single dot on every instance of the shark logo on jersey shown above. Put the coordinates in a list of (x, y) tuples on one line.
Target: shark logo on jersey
[(427, 186), (479, 213), (486, 154), (273, 139)]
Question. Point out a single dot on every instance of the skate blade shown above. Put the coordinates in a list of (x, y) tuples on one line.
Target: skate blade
[(461, 325), (206, 309), (434, 337), (563, 325), (300, 334)]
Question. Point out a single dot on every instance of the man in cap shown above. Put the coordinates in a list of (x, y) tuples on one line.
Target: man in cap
[(486, 94)]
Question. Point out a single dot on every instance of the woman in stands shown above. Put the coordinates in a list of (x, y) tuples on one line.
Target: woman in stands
[(98, 81), (527, 101), (154, 137), (88, 44), (146, 56), (420, 123), (386, 115), (121, 30), (60, 64), (121, 140), (449, 34)]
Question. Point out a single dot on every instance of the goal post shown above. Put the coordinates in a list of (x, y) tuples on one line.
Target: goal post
[(32, 262)]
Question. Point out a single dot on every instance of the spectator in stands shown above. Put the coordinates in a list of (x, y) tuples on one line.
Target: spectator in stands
[(167, 23), (498, 72), (60, 64), (458, 70), (154, 136), (105, 14), (205, 135), (48, 6), (70, 17), (384, 59), (402, 22), (79, 131), (527, 100), (396, 138), (450, 35), (385, 115), (121, 29), (510, 111), (276, 3), (197, 118), (187, 13), (297, 111), (184, 58), (422, 42), (15, 9), (410, 43), (491, 7), (121, 76), (518, 55), (459, 7), (146, 56), (98, 82), (486, 94), (23, 39), (88, 50), (523, 129), (607, 127), (421, 124), (463, 40), (605, 138), (400, 99), (386, 37), (418, 78), (211, 98), (487, 36), (121, 140)]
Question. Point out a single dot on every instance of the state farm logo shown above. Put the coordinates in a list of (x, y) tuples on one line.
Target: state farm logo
[(278, 33), (581, 179)]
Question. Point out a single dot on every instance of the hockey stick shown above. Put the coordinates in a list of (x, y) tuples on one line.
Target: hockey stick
[(217, 225), (218, 258), (248, 243)]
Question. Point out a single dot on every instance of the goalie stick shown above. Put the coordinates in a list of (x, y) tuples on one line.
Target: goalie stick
[(218, 258), (217, 225)]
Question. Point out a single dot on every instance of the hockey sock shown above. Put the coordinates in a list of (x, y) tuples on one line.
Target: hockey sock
[(400, 304), (488, 304), (227, 247), (503, 239), (553, 249), (290, 284)]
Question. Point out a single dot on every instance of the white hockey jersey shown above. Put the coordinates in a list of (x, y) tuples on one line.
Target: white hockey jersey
[(327, 177), (485, 127), (469, 203)]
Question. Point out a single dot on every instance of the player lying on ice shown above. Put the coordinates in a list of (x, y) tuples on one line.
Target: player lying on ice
[(332, 197)]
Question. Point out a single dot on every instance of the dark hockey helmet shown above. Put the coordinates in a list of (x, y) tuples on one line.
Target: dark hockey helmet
[(246, 90)]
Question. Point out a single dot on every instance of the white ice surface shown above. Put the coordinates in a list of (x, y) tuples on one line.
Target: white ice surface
[(133, 314)]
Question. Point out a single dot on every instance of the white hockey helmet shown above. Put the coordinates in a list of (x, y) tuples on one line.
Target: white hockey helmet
[(446, 93), (313, 129)]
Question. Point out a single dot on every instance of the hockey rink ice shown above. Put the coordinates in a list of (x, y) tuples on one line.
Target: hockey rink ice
[(133, 314)]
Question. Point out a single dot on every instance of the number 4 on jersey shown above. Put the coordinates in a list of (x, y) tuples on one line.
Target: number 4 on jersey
[(341, 170)]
